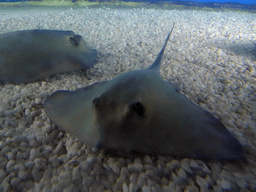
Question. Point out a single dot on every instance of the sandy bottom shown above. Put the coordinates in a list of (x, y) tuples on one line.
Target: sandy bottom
[(211, 56), (21, 12)]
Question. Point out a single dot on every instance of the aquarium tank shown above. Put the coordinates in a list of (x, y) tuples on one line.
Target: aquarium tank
[(127, 95)]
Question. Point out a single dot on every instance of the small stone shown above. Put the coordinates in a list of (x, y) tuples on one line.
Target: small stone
[(206, 169), (181, 173), (6, 149), (33, 154), (176, 180), (10, 156), (18, 109), (76, 175), (87, 181), (224, 184), (148, 160), (56, 187), (65, 174), (185, 166), (191, 189), (170, 187), (54, 179), (174, 164), (35, 113), (194, 165), (70, 188), (5, 186), (47, 128), (73, 150), (27, 112), (48, 148), (58, 148), (2, 174), (54, 161), (124, 173), (23, 175), (18, 139), (242, 184), (164, 181), (39, 123), (33, 144), (125, 187), (10, 164), (84, 165), (115, 167), (20, 156), (202, 182), (131, 187), (38, 101), (47, 188), (133, 178), (15, 181), (146, 189), (136, 167), (9, 113), (29, 164), (91, 158)]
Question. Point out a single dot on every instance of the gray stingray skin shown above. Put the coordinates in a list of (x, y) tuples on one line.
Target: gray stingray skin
[(30, 55), (139, 111)]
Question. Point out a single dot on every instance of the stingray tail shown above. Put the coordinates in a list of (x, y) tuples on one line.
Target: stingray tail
[(156, 65)]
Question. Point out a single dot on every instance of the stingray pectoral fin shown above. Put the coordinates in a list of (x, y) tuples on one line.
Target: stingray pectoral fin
[(201, 135), (219, 142), (70, 112)]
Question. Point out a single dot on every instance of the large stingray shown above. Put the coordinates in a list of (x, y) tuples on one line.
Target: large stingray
[(138, 111), (31, 55)]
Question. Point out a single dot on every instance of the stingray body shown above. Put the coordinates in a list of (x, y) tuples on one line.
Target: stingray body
[(139, 111), (30, 55)]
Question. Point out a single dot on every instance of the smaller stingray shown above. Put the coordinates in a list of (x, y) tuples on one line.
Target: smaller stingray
[(30, 55), (139, 111)]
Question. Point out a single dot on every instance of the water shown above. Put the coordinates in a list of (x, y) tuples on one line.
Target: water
[(210, 58)]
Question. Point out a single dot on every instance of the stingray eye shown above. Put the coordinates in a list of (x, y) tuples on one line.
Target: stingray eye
[(100, 103), (73, 41), (97, 102), (138, 108), (112, 105)]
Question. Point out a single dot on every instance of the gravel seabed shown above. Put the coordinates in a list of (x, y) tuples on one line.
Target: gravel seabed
[(209, 55)]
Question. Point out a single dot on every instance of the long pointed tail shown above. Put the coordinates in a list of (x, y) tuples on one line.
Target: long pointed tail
[(156, 65)]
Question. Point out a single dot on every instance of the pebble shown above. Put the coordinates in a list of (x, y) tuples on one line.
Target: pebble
[(23, 175), (73, 150), (225, 185), (2, 174), (38, 101), (115, 167), (181, 173), (15, 182), (202, 182), (33, 154), (54, 161), (125, 187), (137, 166), (191, 189), (10, 164), (142, 180), (173, 165), (185, 166), (146, 189)]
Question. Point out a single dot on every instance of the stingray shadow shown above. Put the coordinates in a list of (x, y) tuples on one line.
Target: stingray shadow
[(244, 49)]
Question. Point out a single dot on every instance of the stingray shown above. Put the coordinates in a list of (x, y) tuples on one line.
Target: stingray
[(139, 111), (30, 55)]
